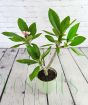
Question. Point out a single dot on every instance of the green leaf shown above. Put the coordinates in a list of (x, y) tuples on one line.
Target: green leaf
[(50, 38), (46, 45), (46, 53), (50, 33), (54, 19), (56, 32), (36, 48), (32, 29), (72, 21), (57, 50), (22, 25), (77, 40), (34, 73), (14, 37), (65, 24), (26, 61), (76, 51), (31, 51), (15, 46), (72, 32), (37, 35), (9, 34), (17, 39)]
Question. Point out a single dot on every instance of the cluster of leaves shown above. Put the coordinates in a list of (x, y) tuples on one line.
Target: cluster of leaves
[(29, 33), (36, 58), (57, 37)]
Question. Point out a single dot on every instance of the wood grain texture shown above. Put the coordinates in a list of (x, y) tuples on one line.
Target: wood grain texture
[(15, 89), (61, 95), (32, 93), (6, 65), (71, 83), (77, 83)]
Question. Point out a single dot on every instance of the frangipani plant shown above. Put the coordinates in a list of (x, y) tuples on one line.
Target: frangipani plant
[(29, 34), (59, 37)]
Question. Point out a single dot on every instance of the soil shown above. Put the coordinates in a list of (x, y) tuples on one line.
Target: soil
[(51, 75)]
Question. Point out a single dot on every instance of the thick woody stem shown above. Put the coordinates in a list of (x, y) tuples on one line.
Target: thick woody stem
[(51, 61), (49, 64)]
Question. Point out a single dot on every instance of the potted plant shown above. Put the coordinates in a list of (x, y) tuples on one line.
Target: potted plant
[(59, 37)]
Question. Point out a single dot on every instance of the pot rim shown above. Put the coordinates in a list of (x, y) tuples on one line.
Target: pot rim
[(50, 80)]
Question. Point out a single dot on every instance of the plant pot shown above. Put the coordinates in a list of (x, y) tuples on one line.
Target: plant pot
[(49, 84)]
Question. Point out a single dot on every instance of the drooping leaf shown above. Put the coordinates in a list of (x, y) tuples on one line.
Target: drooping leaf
[(14, 37), (77, 40), (54, 19), (32, 52), (22, 25), (36, 48), (15, 46), (34, 73), (76, 51), (26, 61), (50, 38), (72, 32), (32, 29), (46, 53), (47, 32), (65, 24)]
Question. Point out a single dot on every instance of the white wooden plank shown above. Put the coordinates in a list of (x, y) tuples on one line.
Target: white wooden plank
[(61, 95), (32, 95), (6, 66), (2, 51), (82, 63), (78, 85), (15, 89), (85, 51)]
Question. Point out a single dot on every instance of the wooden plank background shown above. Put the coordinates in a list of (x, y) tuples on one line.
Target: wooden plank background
[(71, 84)]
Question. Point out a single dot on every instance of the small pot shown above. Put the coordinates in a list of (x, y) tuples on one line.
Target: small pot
[(48, 84)]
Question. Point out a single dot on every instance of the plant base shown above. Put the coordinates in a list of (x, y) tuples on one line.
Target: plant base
[(47, 84)]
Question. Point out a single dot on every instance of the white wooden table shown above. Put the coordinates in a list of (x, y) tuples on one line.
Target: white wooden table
[(71, 85)]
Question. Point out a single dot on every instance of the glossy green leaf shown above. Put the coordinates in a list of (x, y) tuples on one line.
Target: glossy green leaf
[(32, 29), (34, 73), (37, 35), (31, 51), (47, 32), (50, 38), (72, 32), (56, 32), (26, 61), (14, 37), (46, 53), (15, 46), (22, 25), (46, 45), (76, 51), (37, 51), (54, 19), (65, 24), (77, 40)]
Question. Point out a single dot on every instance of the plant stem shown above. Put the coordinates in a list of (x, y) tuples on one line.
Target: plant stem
[(51, 61)]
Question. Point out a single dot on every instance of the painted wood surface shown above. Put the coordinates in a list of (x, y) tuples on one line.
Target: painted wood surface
[(36, 11), (71, 83)]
